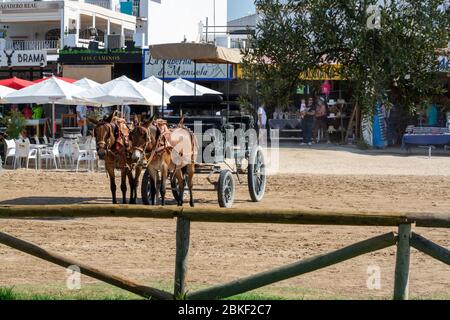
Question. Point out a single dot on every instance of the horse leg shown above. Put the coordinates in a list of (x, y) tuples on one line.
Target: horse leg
[(131, 181), (123, 185), (153, 184), (112, 181), (190, 172), (164, 173), (179, 176), (137, 175)]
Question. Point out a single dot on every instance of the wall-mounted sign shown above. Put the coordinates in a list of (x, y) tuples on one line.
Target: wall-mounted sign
[(185, 69), (15, 7), (23, 58), (100, 58)]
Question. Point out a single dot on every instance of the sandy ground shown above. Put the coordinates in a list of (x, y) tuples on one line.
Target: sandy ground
[(318, 179)]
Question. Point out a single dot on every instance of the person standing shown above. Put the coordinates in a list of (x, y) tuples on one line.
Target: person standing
[(262, 117), (307, 113), (262, 122), (81, 118), (127, 113), (320, 120)]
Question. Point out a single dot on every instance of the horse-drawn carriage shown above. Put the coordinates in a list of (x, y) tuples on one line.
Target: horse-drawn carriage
[(204, 134), (228, 147)]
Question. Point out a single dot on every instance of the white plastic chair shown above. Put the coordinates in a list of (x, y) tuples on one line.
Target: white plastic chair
[(67, 152), (52, 154), (80, 155), (10, 151), (23, 152), (45, 140), (36, 140)]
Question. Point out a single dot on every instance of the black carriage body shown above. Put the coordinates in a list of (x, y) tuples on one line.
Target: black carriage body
[(211, 112)]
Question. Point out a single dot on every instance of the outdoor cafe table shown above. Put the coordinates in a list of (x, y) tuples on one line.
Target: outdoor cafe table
[(425, 140)]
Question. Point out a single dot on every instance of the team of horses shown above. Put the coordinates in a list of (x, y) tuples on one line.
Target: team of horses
[(150, 145)]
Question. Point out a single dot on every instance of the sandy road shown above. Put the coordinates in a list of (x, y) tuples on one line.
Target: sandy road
[(145, 249)]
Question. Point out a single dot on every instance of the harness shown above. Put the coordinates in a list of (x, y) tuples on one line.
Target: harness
[(119, 139)]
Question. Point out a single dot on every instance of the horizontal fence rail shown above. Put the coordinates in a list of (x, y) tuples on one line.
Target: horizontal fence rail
[(404, 241), (223, 215)]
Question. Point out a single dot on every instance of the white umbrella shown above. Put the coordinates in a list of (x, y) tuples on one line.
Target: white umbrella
[(156, 85), (86, 83), (191, 88), (52, 90), (120, 91), (4, 91)]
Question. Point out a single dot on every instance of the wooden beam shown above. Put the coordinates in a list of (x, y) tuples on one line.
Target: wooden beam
[(181, 267), (430, 220), (55, 258), (280, 216), (401, 284), (426, 246), (288, 216), (295, 269), (87, 211)]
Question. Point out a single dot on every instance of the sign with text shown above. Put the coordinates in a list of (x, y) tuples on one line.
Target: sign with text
[(99, 58), (23, 58), (184, 69), (17, 7)]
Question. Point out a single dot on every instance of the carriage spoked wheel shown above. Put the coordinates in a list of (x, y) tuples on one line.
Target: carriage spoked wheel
[(256, 175), (146, 190), (226, 189)]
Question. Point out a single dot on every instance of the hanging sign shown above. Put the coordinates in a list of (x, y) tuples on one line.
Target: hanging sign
[(184, 69)]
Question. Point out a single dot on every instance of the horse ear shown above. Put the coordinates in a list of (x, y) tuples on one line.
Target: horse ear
[(135, 120), (181, 123), (110, 117), (147, 124), (92, 120)]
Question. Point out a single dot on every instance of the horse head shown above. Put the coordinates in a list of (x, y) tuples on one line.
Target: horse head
[(104, 135), (142, 140)]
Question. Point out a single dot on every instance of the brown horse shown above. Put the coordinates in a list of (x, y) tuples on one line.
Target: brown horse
[(171, 152), (113, 146)]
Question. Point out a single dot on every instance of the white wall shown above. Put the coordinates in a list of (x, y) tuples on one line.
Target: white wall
[(172, 20)]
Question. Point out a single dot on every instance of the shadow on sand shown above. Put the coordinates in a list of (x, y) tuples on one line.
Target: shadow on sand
[(54, 200)]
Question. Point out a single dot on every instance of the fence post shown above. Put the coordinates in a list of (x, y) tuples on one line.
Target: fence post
[(402, 263), (182, 250)]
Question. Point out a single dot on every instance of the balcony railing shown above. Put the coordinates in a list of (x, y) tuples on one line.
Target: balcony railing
[(101, 3), (32, 44)]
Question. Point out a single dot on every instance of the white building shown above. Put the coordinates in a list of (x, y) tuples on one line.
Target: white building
[(53, 24)]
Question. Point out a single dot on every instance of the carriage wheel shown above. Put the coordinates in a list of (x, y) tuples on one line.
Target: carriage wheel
[(146, 190), (226, 189), (256, 175)]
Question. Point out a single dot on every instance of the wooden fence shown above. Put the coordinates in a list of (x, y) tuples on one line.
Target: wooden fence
[(404, 239)]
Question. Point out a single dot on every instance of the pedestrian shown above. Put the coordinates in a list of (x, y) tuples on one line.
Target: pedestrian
[(262, 122), (127, 113), (320, 121), (262, 117), (81, 118), (307, 113)]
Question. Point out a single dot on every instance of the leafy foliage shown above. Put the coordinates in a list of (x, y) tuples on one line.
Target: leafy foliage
[(14, 123), (395, 63)]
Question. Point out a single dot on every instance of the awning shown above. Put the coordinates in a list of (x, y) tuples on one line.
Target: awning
[(197, 52)]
